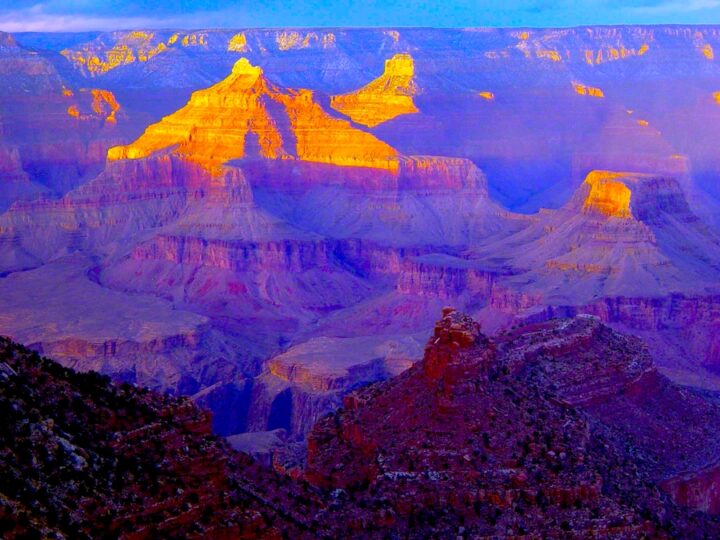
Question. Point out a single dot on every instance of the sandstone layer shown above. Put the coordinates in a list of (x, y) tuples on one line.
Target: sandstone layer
[(383, 99)]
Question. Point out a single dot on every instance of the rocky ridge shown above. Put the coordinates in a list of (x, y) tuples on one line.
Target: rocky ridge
[(532, 433), (477, 439), (82, 458)]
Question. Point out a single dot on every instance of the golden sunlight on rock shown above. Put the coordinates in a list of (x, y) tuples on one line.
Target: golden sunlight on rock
[(238, 43), (295, 40), (324, 139), (105, 105), (490, 96), (194, 39), (385, 98), (643, 123), (612, 54), (134, 46), (93, 104), (137, 46), (707, 51), (550, 55), (215, 126), (716, 97), (585, 90), (607, 195)]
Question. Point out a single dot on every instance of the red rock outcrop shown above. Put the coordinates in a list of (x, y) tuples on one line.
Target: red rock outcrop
[(480, 429), (548, 430)]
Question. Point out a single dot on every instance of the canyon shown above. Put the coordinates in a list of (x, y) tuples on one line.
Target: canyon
[(548, 429), (266, 220)]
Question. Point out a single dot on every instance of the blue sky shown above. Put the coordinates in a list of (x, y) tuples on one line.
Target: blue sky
[(74, 15)]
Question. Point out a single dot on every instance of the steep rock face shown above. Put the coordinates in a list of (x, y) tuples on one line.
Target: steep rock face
[(57, 133), (466, 433), (613, 378), (291, 278), (607, 196), (124, 462), (141, 339), (385, 98), (622, 234), (217, 123), (119, 49), (432, 201), (444, 277), (128, 197)]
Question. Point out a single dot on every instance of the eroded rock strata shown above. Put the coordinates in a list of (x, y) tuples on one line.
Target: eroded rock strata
[(549, 429), (537, 431)]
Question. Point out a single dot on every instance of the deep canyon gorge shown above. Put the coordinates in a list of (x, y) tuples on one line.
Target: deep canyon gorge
[(268, 224)]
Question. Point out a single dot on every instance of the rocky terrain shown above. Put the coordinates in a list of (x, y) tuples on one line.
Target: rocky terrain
[(548, 430), (264, 220), (82, 458)]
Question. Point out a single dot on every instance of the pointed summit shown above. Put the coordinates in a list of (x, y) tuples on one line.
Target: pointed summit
[(245, 115), (243, 67), (385, 98)]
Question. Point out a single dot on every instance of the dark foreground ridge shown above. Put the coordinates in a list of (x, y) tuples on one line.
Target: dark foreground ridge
[(83, 458), (534, 433)]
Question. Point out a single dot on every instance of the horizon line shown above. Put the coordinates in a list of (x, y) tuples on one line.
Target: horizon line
[(383, 27)]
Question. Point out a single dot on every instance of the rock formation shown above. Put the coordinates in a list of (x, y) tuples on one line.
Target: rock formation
[(83, 458), (547, 430), (385, 98), (245, 111), (483, 438), (621, 234), (265, 254)]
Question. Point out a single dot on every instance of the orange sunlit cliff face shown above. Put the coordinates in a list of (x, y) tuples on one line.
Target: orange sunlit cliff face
[(585, 90), (246, 116), (136, 46), (93, 104), (385, 98), (607, 194)]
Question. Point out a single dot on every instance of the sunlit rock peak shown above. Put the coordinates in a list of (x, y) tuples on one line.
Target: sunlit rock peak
[(621, 234), (632, 195), (385, 98), (245, 115), (608, 194), (244, 72)]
